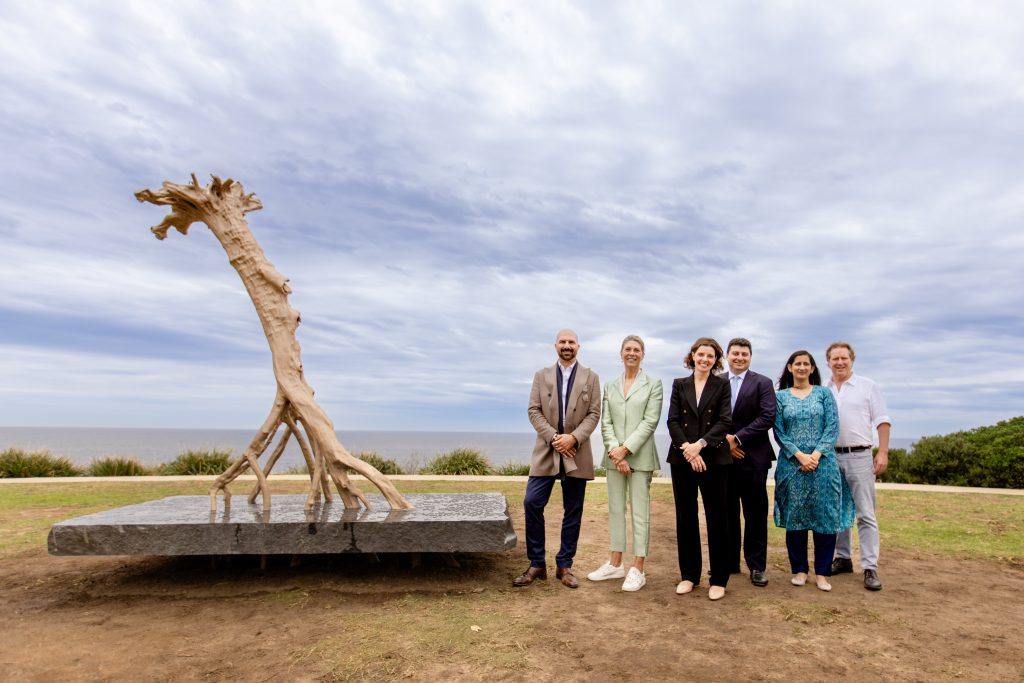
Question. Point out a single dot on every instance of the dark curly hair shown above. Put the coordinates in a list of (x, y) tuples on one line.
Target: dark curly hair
[(706, 341)]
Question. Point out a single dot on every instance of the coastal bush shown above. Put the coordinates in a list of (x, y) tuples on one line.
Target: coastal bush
[(896, 473), (117, 466), (991, 456), (383, 465), (514, 469), (16, 463), (459, 461), (190, 462), (600, 472)]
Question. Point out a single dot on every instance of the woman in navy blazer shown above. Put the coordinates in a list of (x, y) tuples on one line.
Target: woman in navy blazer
[(699, 419)]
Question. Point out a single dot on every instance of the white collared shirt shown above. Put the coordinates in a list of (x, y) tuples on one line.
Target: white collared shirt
[(861, 410)]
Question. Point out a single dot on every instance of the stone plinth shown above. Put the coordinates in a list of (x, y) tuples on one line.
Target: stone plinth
[(183, 525)]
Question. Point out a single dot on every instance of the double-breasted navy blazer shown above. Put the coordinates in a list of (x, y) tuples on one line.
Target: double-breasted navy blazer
[(689, 422), (752, 416)]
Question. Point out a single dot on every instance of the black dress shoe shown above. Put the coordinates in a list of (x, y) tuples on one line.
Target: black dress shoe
[(842, 565), (529, 576), (871, 581), (758, 578)]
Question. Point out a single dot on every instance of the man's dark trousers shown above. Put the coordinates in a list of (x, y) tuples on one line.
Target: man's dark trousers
[(748, 486), (538, 491)]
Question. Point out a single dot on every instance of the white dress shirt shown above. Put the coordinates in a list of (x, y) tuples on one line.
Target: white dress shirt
[(861, 410), (566, 374)]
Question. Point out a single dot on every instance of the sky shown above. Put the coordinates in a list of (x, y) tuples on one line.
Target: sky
[(448, 184)]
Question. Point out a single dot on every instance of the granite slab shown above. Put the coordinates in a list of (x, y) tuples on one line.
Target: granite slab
[(184, 525)]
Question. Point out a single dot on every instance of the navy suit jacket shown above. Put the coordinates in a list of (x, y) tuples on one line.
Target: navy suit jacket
[(752, 417)]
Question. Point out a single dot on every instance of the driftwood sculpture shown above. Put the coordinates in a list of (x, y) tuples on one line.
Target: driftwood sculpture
[(222, 206)]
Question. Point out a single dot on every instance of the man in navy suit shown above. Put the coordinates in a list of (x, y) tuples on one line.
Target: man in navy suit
[(753, 414)]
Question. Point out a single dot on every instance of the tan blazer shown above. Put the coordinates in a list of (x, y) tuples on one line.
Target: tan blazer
[(630, 421), (582, 413)]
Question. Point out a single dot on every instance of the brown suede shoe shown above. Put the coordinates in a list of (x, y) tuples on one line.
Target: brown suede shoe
[(529, 576), (565, 575)]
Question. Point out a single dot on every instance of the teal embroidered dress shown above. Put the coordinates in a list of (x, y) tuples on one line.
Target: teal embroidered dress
[(819, 500)]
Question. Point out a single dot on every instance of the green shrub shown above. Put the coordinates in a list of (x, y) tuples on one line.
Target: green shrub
[(600, 472), (16, 463), (297, 469), (514, 469), (990, 456), (191, 462), (897, 472), (116, 466), (383, 465), (459, 461)]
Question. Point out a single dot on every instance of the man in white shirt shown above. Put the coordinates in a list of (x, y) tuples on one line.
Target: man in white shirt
[(861, 411)]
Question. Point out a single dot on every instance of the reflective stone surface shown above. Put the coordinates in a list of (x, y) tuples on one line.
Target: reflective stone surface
[(184, 525)]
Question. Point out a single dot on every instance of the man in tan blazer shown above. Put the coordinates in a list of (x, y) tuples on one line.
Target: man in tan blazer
[(565, 407)]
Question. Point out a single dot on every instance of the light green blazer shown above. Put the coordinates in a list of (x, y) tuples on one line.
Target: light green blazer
[(631, 420)]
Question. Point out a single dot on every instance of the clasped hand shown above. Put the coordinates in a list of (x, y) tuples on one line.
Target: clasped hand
[(618, 456), (734, 448), (565, 444), (808, 463), (691, 451)]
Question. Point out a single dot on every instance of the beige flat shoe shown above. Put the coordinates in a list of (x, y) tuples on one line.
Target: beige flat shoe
[(799, 579), (684, 587), (823, 584), (716, 592)]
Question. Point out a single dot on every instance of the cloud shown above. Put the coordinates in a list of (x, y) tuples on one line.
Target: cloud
[(447, 184)]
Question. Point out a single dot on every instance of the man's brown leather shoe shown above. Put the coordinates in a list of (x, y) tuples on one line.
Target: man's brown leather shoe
[(529, 576), (565, 575)]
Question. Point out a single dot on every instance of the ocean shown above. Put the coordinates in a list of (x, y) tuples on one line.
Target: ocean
[(411, 450)]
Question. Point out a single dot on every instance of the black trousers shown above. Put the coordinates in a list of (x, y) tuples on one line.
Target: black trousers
[(713, 485), (748, 489)]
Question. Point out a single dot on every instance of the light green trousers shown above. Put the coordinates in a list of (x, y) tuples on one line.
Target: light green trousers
[(637, 488)]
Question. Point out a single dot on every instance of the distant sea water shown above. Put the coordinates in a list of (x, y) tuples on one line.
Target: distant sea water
[(411, 450)]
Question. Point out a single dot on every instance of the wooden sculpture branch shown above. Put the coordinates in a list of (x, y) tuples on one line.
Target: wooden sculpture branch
[(222, 206)]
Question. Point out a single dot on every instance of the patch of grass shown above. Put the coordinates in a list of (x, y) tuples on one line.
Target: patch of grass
[(965, 524), (383, 465), (189, 462), (814, 614), (16, 464), (295, 598), (467, 631), (460, 461), (514, 469), (116, 466)]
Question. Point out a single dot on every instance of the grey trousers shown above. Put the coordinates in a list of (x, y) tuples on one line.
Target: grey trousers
[(858, 468)]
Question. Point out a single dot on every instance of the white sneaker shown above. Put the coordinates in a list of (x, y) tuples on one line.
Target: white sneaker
[(607, 571), (635, 580)]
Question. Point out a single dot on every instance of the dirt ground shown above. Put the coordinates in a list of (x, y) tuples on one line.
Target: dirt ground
[(347, 618)]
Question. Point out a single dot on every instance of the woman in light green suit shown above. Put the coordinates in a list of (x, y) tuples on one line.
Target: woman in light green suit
[(632, 408)]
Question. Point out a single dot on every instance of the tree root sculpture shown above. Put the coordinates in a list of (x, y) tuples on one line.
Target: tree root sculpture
[(222, 207)]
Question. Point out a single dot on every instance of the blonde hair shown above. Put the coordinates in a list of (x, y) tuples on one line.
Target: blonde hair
[(633, 337)]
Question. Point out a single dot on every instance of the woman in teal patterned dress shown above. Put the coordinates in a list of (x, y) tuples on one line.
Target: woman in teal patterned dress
[(810, 490)]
